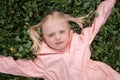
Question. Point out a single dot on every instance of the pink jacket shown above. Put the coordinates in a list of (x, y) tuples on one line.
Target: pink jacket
[(72, 64)]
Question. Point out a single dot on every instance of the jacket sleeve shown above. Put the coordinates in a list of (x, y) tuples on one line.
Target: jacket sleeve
[(104, 10), (27, 68)]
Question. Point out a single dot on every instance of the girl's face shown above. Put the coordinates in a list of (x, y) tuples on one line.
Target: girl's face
[(56, 33)]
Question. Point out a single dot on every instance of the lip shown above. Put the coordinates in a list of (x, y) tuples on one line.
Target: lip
[(59, 42)]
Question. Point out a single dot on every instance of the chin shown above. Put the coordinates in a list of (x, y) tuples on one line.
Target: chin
[(61, 48)]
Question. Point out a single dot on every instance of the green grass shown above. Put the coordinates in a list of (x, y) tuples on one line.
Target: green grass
[(16, 16)]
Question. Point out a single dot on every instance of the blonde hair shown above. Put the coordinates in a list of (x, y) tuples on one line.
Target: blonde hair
[(36, 38)]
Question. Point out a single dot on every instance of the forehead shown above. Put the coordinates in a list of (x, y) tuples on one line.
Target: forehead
[(54, 25)]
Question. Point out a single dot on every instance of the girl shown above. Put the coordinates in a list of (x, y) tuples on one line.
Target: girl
[(62, 54)]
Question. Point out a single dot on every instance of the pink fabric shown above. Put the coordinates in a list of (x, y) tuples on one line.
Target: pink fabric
[(72, 64)]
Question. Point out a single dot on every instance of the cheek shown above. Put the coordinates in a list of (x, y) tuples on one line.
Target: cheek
[(67, 37), (49, 41)]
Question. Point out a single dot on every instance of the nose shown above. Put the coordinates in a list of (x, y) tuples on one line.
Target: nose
[(57, 37)]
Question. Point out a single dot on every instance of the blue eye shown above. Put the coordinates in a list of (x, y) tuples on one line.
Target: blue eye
[(62, 32), (50, 35)]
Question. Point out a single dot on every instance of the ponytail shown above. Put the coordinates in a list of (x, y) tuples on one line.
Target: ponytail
[(79, 20), (36, 38)]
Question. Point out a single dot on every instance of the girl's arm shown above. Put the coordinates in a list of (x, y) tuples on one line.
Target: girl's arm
[(26, 68), (104, 10)]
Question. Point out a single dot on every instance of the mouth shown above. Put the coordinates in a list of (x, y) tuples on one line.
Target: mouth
[(59, 42)]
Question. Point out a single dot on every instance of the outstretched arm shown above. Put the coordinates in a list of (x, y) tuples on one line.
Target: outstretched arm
[(104, 10), (27, 68)]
